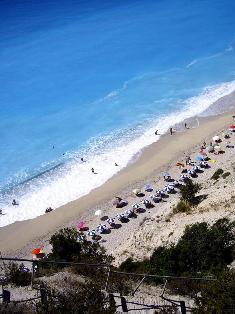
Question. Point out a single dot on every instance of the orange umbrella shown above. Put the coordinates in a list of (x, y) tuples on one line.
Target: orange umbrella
[(179, 164), (36, 251)]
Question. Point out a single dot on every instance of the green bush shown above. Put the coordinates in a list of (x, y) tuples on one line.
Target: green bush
[(16, 276), (217, 296), (217, 174), (181, 207), (188, 192), (201, 249), (64, 245), (84, 298)]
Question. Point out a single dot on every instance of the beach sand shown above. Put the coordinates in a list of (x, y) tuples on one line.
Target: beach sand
[(17, 238)]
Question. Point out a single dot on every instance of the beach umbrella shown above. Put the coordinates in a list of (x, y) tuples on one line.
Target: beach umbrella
[(210, 149), (191, 172), (98, 212), (80, 225), (120, 216), (231, 127), (165, 174), (91, 233), (148, 188), (199, 158), (36, 251), (135, 206), (110, 221), (136, 191), (216, 138), (179, 164), (116, 200)]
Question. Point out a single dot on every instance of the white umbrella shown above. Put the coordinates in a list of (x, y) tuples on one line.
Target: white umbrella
[(136, 191), (91, 233), (135, 206), (216, 138), (110, 221), (210, 149), (98, 212)]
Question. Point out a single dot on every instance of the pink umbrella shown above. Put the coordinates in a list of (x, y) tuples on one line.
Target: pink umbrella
[(80, 225)]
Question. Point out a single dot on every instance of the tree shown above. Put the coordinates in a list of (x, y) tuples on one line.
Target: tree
[(188, 192), (217, 296), (65, 245), (77, 299)]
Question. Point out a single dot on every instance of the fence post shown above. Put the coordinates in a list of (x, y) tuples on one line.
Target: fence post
[(32, 277), (124, 305), (6, 296), (182, 307)]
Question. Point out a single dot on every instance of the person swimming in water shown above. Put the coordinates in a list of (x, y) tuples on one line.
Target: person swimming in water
[(14, 203)]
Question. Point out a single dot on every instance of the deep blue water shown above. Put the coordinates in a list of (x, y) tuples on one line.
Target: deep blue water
[(81, 74)]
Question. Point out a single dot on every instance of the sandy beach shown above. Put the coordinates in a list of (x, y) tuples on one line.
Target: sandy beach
[(18, 238)]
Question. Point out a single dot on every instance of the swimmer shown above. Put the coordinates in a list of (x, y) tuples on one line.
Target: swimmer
[(14, 203), (116, 164), (92, 170)]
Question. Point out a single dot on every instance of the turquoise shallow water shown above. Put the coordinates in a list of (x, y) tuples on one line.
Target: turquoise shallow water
[(86, 78)]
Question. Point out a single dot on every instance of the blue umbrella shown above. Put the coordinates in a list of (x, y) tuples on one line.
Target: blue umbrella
[(199, 158)]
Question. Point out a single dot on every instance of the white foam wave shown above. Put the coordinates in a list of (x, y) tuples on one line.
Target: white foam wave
[(191, 63), (75, 179), (218, 54)]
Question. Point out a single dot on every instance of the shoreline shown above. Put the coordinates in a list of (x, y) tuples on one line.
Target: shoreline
[(154, 158)]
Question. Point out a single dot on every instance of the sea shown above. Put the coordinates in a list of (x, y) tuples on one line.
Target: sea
[(94, 79)]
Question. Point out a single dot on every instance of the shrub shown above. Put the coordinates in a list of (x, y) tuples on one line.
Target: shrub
[(225, 175), (83, 298), (181, 207), (188, 192), (64, 245), (217, 174), (130, 266), (217, 296), (71, 246), (201, 249), (16, 276)]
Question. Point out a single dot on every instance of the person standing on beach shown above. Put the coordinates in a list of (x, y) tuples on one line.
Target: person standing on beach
[(186, 126), (171, 131), (187, 160), (92, 170)]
